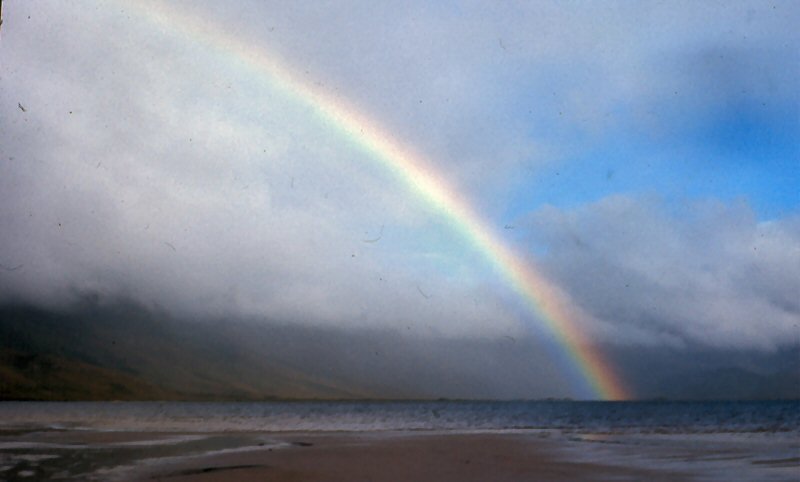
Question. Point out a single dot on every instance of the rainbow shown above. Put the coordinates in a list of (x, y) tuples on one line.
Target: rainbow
[(541, 296)]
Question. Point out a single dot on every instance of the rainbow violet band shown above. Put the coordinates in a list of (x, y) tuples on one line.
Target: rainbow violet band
[(542, 297)]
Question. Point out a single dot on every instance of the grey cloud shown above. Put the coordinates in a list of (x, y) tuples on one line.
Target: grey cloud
[(178, 181), (137, 174), (702, 273)]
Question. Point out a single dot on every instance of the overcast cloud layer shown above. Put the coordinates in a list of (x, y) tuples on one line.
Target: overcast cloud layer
[(646, 155), (700, 273)]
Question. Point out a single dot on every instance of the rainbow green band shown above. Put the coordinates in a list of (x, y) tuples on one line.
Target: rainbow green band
[(542, 297)]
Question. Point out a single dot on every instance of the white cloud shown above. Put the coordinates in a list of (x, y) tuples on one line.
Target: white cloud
[(703, 273), (139, 174)]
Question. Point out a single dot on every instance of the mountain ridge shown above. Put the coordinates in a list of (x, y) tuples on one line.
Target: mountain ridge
[(117, 350)]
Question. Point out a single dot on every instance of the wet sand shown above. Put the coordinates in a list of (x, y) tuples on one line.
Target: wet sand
[(393, 457)]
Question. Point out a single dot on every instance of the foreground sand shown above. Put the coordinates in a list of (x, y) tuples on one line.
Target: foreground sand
[(58, 454), (394, 457)]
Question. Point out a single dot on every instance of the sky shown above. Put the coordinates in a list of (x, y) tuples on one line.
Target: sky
[(642, 159)]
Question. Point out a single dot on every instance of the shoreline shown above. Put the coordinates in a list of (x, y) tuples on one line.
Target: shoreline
[(464, 455), (388, 456)]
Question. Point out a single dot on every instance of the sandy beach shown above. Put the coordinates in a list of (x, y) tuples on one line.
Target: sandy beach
[(392, 457), (389, 456), (384, 456)]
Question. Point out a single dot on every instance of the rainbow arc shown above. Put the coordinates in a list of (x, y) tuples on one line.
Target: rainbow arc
[(543, 298)]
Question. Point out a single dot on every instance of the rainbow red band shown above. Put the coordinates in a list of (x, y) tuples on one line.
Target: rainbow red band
[(542, 297)]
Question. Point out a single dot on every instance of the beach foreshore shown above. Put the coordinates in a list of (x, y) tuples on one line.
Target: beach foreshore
[(360, 456), (376, 456), (390, 457)]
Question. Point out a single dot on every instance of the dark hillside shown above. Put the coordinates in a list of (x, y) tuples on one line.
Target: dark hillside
[(124, 352)]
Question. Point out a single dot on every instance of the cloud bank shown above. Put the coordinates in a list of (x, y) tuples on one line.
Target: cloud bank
[(700, 273), (137, 164)]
